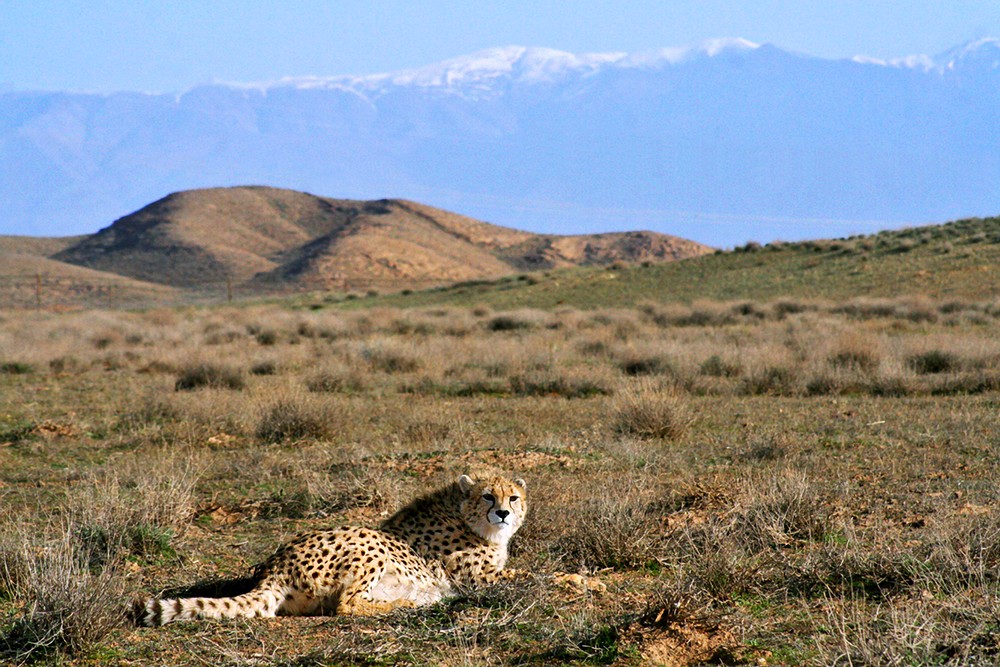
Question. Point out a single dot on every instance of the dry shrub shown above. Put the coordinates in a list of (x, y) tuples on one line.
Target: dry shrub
[(777, 510), (65, 364), (865, 309), (913, 634), (827, 384), (977, 382), (887, 384), (293, 418), (342, 487), (408, 325), (646, 410), (770, 380), (134, 509), (69, 608), (764, 447), (548, 383), (149, 411), (965, 550), (424, 432), (615, 529), (336, 379), (595, 347), (706, 313), (855, 352), (715, 562), (520, 320), (214, 376), (390, 360), (223, 337), (69, 575)]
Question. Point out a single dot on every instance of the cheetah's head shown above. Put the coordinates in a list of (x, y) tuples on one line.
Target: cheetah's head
[(494, 507)]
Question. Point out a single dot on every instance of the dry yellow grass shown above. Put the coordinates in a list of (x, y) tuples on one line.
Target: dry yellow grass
[(810, 491)]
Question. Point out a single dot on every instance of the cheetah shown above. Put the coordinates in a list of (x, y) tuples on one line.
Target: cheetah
[(454, 537)]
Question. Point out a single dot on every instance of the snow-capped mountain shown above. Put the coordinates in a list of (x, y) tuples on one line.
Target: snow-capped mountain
[(478, 74), (721, 142)]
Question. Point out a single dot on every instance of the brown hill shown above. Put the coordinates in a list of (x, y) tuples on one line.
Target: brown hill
[(268, 239)]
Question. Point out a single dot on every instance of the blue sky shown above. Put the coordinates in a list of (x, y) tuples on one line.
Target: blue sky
[(164, 46)]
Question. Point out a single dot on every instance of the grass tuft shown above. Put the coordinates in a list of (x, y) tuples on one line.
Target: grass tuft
[(292, 419), (649, 411)]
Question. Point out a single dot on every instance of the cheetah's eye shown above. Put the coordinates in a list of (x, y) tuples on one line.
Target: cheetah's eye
[(488, 497), (514, 499)]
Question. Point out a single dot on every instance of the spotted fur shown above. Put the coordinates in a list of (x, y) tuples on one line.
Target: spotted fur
[(454, 537)]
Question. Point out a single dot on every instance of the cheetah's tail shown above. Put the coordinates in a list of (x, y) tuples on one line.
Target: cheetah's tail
[(160, 611)]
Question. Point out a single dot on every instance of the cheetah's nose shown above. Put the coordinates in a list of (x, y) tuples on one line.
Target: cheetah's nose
[(502, 514)]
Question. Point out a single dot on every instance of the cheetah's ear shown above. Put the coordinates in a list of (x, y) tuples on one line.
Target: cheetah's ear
[(521, 483), (466, 483)]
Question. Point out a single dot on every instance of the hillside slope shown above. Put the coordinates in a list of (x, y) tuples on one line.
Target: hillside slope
[(36, 246), (268, 239), (959, 260), (29, 280)]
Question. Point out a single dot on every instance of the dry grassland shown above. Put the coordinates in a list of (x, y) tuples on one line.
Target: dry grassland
[(791, 482)]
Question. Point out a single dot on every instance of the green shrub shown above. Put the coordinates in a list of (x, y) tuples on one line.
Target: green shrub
[(509, 323), (264, 368), (645, 365), (16, 368), (267, 337), (933, 361), (209, 375), (716, 366), (773, 380), (544, 384)]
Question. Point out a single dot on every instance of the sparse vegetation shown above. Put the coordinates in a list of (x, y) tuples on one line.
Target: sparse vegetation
[(787, 482)]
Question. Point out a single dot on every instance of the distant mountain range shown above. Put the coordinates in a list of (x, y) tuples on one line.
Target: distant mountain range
[(722, 143), (260, 240)]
